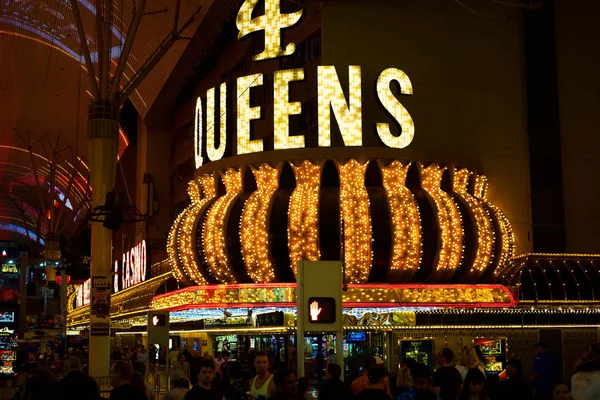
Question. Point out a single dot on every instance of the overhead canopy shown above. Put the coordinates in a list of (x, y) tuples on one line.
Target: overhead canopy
[(45, 94), (554, 277)]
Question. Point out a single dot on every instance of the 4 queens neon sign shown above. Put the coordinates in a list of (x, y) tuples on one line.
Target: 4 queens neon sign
[(210, 121)]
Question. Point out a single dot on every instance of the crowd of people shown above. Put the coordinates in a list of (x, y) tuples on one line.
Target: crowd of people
[(466, 379), (195, 377)]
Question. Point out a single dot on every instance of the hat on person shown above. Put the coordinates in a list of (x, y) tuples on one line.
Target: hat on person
[(543, 345), (177, 376)]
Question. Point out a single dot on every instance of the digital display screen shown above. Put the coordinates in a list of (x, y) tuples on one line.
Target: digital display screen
[(356, 336)]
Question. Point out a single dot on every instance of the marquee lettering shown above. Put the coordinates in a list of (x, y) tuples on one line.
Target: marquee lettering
[(84, 293), (272, 22), (331, 100), (133, 266)]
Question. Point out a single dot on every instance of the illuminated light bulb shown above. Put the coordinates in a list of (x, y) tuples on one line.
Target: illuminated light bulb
[(201, 192), (172, 248), (451, 250), (356, 221), (406, 224), (303, 215), (214, 242), (507, 237), (254, 232), (484, 232)]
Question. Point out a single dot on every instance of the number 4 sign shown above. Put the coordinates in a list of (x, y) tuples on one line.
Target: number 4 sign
[(272, 23)]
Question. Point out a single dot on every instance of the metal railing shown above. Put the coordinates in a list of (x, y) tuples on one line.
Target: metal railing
[(158, 381)]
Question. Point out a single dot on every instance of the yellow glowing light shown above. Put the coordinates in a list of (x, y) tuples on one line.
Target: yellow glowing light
[(215, 241), (507, 237), (331, 97), (485, 233), (272, 22), (283, 109), (198, 159), (254, 235), (248, 294), (245, 145), (201, 192), (216, 153), (451, 234), (303, 215), (395, 108), (173, 248), (406, 224), (356, 221)]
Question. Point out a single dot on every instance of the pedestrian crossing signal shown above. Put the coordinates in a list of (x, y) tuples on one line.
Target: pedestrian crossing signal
[(159, 320)]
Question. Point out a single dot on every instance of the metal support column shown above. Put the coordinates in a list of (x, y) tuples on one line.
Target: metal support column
[(22, 297), (339, 351), (103, 131)]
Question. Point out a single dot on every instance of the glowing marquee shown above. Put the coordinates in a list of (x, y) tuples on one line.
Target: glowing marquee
[(330, 98), (134, 265)]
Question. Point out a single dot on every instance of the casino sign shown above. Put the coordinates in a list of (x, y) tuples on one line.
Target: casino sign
[(256, 210)]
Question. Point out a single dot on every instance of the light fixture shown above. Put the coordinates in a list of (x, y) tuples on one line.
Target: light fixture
[(116, 212)]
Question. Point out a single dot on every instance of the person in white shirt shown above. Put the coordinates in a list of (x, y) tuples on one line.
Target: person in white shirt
[(173, 357), (586, 380), (143, 356), (178, 389)]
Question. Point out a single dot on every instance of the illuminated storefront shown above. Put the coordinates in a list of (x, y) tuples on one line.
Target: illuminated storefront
[(316, 162)]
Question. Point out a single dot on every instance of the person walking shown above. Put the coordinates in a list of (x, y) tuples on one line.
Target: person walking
[(183, 366), (473, 386), (178, 389), (262, 385), (237, 385), (561, 391), (379, 387), (334, 388), (468, 360), (140, 368), (588, 373), (120, 376), (517, 386), (284, 384), (421, 384), (173, 357), (362, 382), (545, 371), (205, 390), (75, 384), (446, 379)]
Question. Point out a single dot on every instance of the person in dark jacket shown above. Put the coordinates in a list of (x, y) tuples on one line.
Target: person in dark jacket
[(334, 388), (205, 390), (120, 380), (378, 388), (517, 386)]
